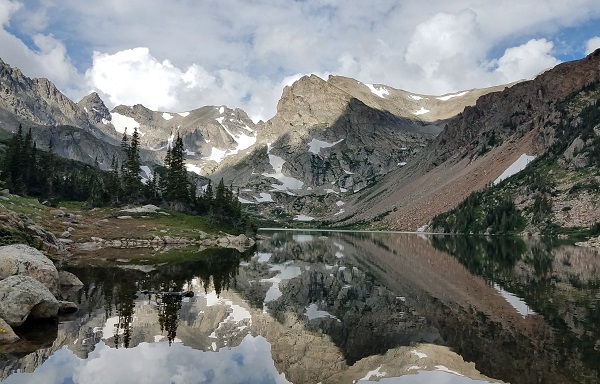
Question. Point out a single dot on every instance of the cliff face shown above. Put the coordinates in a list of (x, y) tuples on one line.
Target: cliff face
[(480, 143), (36, 100)]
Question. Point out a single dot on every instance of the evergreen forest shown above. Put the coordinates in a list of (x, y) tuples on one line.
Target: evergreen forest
[(29, 171)]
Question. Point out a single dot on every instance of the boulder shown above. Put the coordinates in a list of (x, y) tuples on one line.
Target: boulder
[(7, 335), (68, 279), (23, 297), (65, 307), (20, 259)]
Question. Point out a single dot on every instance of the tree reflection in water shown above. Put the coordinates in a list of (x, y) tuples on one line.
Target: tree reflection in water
[(119, 288)]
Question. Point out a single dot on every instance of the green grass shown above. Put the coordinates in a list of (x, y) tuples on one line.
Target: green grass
[(24, 205)]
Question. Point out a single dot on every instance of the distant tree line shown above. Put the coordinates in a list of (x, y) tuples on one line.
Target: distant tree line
[(481, 212), (27, 170)]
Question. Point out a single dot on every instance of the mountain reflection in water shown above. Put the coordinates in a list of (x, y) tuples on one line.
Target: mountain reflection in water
[(332, 307)]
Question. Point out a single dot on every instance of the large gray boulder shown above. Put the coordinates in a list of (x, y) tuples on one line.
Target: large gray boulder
[(7, 335), (68, 279), (23, 297), (21, 259)]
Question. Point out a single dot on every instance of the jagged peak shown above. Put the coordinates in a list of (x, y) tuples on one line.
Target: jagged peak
[(92, 97)]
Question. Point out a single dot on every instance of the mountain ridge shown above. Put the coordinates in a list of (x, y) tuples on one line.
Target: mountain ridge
[(328, 140), (476, 147)]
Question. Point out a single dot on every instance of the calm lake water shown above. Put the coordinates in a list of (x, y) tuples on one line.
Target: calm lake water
[(328, 307)]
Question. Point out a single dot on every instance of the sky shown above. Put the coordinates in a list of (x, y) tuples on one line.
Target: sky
[(179, 55)]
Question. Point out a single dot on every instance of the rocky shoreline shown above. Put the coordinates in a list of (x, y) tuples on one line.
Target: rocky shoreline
[(30, 288), (240, 242)]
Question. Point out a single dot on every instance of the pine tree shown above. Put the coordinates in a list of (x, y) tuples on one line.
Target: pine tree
[(130, 175), (13, 164), (176, 183)]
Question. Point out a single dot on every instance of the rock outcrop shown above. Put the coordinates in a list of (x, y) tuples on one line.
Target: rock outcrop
[(476, 146), (19, 259), (26, 230), (29, 288), (67, 279), (24, 297), (7, 335)]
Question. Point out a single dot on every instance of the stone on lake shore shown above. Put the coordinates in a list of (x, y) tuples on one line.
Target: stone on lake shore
[(23, 297), (21, 259), (68, 279), (7, 335)]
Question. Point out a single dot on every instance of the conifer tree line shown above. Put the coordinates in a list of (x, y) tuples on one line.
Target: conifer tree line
[(26, 170)]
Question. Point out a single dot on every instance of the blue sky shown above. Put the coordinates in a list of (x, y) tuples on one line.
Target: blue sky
[(177, 55)]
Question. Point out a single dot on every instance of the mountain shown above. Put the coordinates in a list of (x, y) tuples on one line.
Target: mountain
[(331, 143), (332, 138), (480, 143), (328, 137), (209, 134)]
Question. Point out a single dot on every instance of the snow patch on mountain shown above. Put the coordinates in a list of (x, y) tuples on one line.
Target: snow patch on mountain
[(264, 198), (193, 168), (287, 182), (216, 155), (183, 114), (448, 97), (421, 111), (303, 218), (415, 97), (167, 116), (122, 122), (515, 167), (243, 141), (147, 171), (381, 91), (315, 145)]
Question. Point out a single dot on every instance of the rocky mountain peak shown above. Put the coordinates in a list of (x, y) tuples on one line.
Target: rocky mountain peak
[(95, 108), (36, 100)]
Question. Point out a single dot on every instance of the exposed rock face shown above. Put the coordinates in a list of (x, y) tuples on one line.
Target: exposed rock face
[(23, 297), (19, 259), (337, 132), (336, 135), (475, 147), (36, 100), (93, 105), (24, 227), (7, 335), (209, 134), (67, 279)]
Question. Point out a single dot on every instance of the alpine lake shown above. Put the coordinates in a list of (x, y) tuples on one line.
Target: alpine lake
[(326, 307)]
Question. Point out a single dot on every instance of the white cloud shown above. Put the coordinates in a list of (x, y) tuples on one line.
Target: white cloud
[(48, 57), (242, 54), (134, 76), (445, 38), (7, 9), (592, 44), (527, 60), (159, 362)]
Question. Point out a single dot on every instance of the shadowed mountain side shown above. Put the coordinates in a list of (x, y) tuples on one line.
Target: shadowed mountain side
[(76, 144), (359, 146), (474, 149)]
